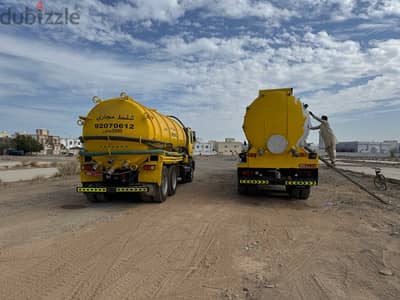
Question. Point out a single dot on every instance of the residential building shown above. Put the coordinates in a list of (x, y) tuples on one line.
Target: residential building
[(71, 146), (203, 148), (229, 147), (5, 142), (69, 143), (4, 134), (51, 143)]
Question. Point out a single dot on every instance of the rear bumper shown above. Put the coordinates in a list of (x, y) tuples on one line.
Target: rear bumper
[(266, 176), (127, 189), (278, 182)]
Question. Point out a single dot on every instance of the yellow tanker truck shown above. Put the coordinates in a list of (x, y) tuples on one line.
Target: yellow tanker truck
[(129, 148), (276, 126)]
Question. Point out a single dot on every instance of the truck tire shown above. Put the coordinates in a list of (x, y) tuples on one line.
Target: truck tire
[(95, 197), (294, 192), (188, 173), (305, 193), (91, 198), (298, 192), (243, 189), (172, 180), (161, 191)]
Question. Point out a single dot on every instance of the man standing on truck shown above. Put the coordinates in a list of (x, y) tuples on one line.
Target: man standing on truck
[(327, 135)]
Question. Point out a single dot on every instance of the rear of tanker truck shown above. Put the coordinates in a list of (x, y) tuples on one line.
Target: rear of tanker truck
[(130, 148), (276, 125)]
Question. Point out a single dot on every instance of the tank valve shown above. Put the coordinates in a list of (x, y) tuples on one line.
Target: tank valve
[(125, 164), (96, 167), (109, 173), (123, 95), (294, 152), (96, 99)]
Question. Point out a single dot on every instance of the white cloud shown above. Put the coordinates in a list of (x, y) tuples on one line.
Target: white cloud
[(382, 8), (106, 24), (247, 8), (200, 77), (222, 70)]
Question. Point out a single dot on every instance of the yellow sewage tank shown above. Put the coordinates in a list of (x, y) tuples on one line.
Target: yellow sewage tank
[(276, 125), (129, 147)]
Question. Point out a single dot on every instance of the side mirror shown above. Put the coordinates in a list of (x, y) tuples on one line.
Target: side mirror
[(194, 136)]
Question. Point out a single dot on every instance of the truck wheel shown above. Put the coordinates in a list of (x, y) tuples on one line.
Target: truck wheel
[(298, 192), (243, 189), (95, 197), (305, 193), (188, 173), (91, 197), (172, 180), (294, 192), (161, 191)]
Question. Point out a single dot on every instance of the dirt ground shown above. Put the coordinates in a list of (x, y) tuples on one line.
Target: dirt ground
[(206, 242)]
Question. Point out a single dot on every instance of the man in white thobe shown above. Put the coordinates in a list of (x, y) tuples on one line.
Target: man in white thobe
[(327, 135)]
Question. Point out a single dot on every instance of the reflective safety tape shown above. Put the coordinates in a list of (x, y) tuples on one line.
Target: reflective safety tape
[(302, 182), (91, 190), (131, 189), (249, 181)]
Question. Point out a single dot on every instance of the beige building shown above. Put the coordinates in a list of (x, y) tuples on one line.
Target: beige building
[(5, 142), (4, 134), (229, 147), (51, 143)]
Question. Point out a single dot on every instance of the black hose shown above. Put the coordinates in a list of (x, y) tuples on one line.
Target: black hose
[(355, 182)]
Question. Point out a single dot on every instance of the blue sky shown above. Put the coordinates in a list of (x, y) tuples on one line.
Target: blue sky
[(205, 61)]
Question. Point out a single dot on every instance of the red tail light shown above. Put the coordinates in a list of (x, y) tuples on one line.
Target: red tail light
[(149, 167), (87, 167), (247, 173)]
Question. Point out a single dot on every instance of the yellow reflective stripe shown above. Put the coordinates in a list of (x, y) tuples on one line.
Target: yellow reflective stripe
[(91, 190), (249, 181), (131, 189), (300, 182)]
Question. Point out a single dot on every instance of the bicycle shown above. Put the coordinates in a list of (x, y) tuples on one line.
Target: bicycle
[(380, 180)]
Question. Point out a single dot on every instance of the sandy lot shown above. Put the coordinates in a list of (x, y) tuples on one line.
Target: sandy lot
[(206, 242)]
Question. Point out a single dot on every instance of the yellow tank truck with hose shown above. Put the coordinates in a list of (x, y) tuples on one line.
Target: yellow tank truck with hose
[(129, 148), (276, 126)]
